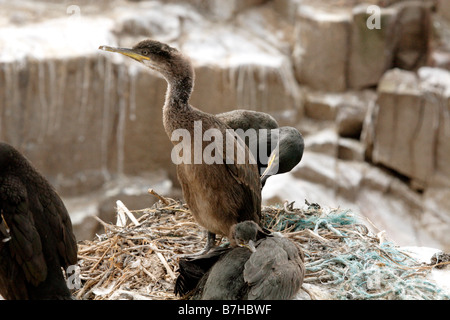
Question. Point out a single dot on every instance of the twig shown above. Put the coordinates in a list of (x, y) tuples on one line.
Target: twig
[(122, 208), (166, 265), (154, 193)]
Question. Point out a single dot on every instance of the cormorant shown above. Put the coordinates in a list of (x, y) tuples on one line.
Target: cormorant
[(248, 119), (36, 237), (260, 267), (219, 194), (284, 146), (286, 154)]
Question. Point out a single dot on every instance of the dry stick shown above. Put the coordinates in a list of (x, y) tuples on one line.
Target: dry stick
[(122, 208), (104, 254), (163, 200), (166, 265)]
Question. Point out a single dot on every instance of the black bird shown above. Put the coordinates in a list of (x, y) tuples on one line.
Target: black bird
[(218, 194), (260, 267), (277, 151), (36, 237)]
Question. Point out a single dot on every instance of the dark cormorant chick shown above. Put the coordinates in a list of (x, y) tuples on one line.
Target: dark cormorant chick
[(36, 238), (260, 267), (218, 194), (284, 146)]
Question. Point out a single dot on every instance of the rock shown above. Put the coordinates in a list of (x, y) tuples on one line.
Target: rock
[(341, 177), (352, 111), (399, 104), (347, 109), (317, 168), (350, 149), (436, 87), (352, 55), (321, 105), (436, 217), (440, 59), (324, 142), (219, 9), (413, 34), (410, 128), (251, 76), (392, 206), (287, 8), (371, 52), (443, 8), (322, 65), (349, 122)]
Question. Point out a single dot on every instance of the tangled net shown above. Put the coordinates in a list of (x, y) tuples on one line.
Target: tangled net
[(139, 260)]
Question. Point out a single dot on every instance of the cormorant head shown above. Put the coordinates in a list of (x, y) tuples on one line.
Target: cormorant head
[(157, 56), (245, 234)]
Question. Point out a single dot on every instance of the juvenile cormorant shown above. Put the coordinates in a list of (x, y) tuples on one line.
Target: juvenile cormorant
[(36, 238), (248, 119), (260, 267), (286, 154), (284, 146), (219, 194)]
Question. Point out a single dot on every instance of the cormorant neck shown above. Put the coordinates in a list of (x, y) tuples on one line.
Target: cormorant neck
[(180, 79), (179, 91)]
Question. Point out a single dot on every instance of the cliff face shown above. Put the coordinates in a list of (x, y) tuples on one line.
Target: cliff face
[(381, 92)]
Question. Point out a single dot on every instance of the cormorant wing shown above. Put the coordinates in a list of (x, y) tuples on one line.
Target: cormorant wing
[(272, 272), (56, 216), (238, 165), (193, 269), (25, 241)]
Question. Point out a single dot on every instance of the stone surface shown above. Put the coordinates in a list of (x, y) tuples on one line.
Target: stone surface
[(219, 9), (323, 142), (444, 8), (437, 213), (352, 55), (321, 105), (371, 52), (350, 149), (322, 65), (410, 125), (413, 27), (352, 111)]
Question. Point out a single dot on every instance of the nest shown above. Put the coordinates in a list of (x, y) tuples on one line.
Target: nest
[(137, 258)]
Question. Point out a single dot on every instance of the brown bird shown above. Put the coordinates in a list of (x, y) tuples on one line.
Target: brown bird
[(36, 238), (260, 267), (277, 151), (248, 119), (219, 194)]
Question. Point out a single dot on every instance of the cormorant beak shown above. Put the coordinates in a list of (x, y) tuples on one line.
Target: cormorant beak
[(270, 167), (250, 245), (126, 52)]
